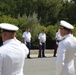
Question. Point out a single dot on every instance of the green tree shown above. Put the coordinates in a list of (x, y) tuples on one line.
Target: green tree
[(67, 12), (48, 10)]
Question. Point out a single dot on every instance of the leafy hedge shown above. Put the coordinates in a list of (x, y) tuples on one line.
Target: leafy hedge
[(35, 29)]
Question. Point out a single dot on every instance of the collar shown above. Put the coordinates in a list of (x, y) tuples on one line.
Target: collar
[(68, 35), (5, 42)]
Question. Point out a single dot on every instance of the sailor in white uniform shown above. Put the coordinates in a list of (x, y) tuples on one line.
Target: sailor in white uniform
[(66, 50), (12, 52)]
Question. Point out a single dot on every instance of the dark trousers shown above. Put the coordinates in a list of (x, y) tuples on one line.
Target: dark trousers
[(28, 44), (55, 50), (42, 50)]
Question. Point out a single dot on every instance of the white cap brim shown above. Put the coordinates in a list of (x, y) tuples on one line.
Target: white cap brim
[(9, 27), (66, 24)]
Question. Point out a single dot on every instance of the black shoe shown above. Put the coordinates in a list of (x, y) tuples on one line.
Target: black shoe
[(54, 56), (43, 56), (29, 57), (39, 56)]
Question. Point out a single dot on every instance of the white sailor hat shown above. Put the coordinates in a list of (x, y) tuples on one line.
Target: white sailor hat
[(66, 24), (8, 27)]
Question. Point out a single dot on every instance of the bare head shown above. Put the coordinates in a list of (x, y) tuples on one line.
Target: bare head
[(28, 29)]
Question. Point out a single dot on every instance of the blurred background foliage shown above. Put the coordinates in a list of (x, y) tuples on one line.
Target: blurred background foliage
[(38, 14)]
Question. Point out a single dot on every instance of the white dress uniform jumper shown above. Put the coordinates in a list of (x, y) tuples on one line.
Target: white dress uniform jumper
[(12, 53), (66, 52)]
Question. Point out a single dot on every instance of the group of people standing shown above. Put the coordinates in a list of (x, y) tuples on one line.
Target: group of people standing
[(65, 44), (42, 41), (13, 52)]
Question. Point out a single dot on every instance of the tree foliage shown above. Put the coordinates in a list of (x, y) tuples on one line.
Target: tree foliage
[(37, 14), (48, 11)]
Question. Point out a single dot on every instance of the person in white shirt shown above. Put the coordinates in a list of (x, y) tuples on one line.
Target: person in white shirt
[(66, 50), (42, 43), (12, 52), (27, 39), (58, 38)]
